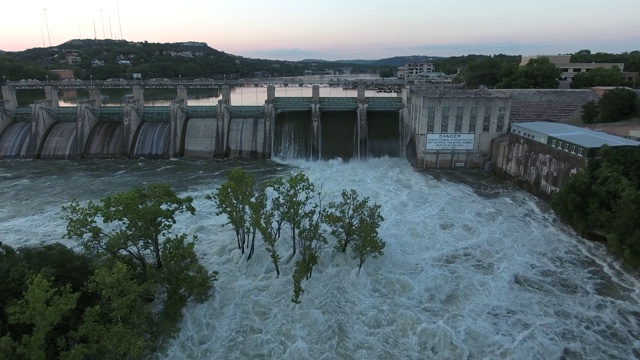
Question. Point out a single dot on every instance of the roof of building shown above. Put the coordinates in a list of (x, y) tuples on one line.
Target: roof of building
[(577, 135)]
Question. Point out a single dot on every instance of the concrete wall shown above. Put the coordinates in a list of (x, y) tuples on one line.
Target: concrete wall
[(426, 113), (536, 167)]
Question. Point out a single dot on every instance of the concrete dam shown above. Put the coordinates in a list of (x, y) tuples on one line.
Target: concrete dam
[(302, 127)]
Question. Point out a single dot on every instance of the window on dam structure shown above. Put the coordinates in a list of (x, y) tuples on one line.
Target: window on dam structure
[(444, 127), (473, 118), (459, 114), (486, 122), (431, 119)]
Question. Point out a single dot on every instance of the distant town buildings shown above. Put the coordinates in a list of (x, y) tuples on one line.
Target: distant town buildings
[(569, 69), (415, 69), (71, 58), (63, 74)]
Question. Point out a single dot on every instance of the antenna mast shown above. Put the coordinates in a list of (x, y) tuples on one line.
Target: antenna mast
[(119, 23), (110, 29), (47, 23), (102, 19)]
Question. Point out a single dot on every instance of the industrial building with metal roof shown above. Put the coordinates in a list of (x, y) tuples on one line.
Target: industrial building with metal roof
[(576, 140)]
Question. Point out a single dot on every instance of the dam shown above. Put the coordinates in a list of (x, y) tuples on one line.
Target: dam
[(432, 127)]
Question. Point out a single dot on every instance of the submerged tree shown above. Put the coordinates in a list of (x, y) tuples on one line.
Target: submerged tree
[(234, 199), (268, 221), (368, 242), (354, 222), (293, 197)]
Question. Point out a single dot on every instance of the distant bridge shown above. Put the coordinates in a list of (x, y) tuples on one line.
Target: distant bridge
[(204, 83)]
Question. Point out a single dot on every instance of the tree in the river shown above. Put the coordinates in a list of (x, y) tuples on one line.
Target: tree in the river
[(354, 222), (293, 196), (311, 239), (343, 218), (268, 220), (234, 199), (368, 242)]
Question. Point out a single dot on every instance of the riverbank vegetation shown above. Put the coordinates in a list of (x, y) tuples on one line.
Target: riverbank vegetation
[(603, 202), (122, 293), (118, 298)]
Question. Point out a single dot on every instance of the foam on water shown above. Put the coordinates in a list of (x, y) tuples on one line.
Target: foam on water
[(469, 271)]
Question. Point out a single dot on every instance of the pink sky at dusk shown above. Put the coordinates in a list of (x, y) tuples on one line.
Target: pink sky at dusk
[(332, 30)]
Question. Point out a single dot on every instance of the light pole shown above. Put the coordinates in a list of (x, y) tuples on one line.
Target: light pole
[(47, 80), (179, 79), (4, 80), (91, 80)]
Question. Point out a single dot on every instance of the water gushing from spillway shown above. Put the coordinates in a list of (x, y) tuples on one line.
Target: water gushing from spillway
[(473, 268)]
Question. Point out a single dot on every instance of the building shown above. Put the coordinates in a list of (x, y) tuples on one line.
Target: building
[(63, 74), (575, 140), (415, 69), (71, 58), (569, 69), (454, 129)]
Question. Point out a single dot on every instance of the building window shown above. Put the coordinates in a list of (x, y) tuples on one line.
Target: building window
[(459, 114), (559, 144), (431, 118), (444, 126), (573, 149), (501, 116), (473, 117), (566, 146), (580, 152), (486, 122), (553, 143)]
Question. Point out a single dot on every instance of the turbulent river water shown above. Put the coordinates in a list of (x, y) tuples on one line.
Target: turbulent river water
[(473, 267)]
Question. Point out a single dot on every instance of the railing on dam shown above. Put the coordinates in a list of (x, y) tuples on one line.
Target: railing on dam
[(202, 83)]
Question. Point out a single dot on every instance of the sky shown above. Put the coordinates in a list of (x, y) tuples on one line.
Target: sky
[(333, 29)]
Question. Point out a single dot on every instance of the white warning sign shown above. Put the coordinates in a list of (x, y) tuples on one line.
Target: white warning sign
[(450, 141)]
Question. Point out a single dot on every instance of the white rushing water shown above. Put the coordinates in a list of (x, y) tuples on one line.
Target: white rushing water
[(473, 269)]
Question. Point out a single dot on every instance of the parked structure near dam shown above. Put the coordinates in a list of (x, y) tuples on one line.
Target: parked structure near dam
[(433, 127)]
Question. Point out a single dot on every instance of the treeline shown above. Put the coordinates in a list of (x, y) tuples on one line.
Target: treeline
[(603, 202), (615, 105), (156, 60), (121, 296), (503, 71)]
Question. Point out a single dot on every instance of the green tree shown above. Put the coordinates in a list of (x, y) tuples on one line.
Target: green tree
[(269, 222), (134, 227), (293, 196), (538, 73), (343, 218), (368, 242), (130, 224), (617, 104), (599, 76), (234, 199), (117, 326), (42, 307), (589, 112)]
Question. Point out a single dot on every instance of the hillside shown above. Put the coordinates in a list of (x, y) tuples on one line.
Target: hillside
[(103, 59)]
